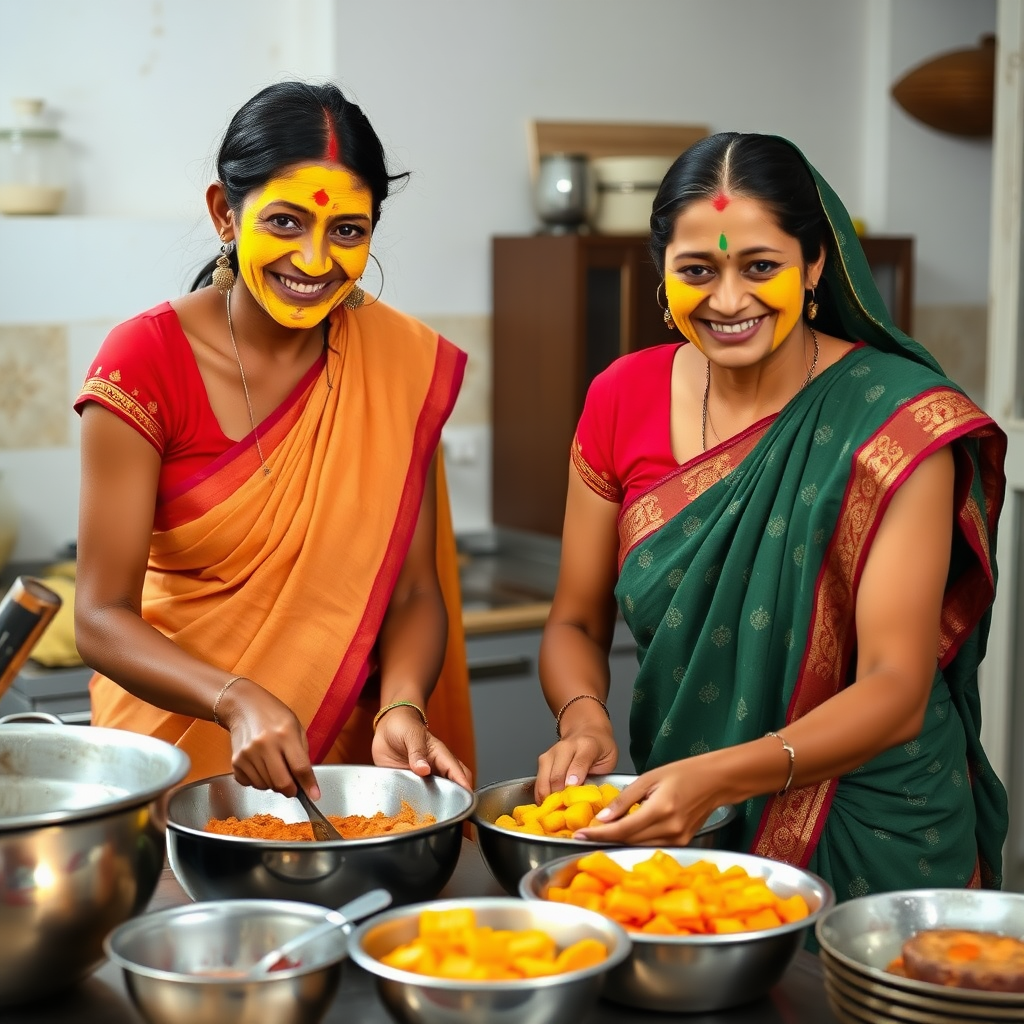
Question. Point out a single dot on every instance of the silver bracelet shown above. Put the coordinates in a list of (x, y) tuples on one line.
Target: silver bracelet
[(223, 690), (792, 761)]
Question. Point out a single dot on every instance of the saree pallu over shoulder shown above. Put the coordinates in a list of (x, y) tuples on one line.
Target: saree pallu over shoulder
[(740, 572), (286, 577)]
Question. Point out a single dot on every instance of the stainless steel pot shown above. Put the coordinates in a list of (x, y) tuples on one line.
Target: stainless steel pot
[(82, 839)]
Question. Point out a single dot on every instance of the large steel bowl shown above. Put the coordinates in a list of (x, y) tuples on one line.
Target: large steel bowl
[(82, 820), (701, 973), (413, 865), (554, 999), (510, 855), (183, 964)]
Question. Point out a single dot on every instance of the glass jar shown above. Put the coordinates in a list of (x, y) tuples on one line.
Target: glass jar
[(33, 162)]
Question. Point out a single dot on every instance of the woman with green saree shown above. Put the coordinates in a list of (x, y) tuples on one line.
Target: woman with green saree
[(794, 510)]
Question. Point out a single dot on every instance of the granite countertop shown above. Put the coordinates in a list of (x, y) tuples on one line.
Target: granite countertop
[(508, 579)]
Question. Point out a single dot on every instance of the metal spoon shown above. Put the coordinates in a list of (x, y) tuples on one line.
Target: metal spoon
[(323, 830), (362, 906)]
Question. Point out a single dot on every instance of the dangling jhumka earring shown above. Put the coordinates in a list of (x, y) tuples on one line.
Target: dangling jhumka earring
[(812, 307), (666, 314), (357, 296), (223, 276)]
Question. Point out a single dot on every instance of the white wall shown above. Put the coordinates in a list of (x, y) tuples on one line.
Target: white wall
[(144, 90)]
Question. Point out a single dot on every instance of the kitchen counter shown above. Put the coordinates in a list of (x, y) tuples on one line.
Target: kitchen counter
[(799, 998)]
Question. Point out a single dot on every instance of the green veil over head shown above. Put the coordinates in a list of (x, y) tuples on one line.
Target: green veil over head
[(850, 305)]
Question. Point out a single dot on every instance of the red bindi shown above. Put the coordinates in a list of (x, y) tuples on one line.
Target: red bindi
[(321, 198), (720, 202)]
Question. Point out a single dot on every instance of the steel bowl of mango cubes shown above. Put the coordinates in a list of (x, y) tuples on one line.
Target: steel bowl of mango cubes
[(515, 835)]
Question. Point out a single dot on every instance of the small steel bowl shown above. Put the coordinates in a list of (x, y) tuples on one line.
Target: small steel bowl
[(419, 999), (510, 855), (412, 865), (861, 937), (184, 963), (700, 973)]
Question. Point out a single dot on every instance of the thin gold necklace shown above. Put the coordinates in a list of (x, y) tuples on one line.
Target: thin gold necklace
[(245, 385), (707, 391)]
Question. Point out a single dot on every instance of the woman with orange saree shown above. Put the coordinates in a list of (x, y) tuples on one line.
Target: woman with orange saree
[(266, 561), (794, 510)]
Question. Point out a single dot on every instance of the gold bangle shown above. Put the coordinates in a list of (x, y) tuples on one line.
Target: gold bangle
[(792, 762), (572, 700), (223, 690), (400, 704)]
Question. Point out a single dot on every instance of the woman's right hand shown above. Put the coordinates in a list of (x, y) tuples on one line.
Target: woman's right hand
[(573, 758), (269, 748)]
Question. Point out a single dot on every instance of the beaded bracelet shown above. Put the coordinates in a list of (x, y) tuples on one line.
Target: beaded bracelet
[(400, 704), (572, 700), (792, 762), (223, 690)]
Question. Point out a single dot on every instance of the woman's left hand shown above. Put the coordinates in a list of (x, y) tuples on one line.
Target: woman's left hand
[(403, 741), (675, 801)]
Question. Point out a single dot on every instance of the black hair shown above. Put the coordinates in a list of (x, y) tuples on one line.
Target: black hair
[(749, 166), (289, 123)]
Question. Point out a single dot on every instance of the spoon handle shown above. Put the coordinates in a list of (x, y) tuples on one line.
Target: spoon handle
[(362, 906)]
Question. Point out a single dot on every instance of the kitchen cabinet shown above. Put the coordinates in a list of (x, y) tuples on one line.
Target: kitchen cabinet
[(511, 719), (564, 307)]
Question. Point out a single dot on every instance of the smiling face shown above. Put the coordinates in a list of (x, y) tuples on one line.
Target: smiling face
[(733, 277), (303, 241)]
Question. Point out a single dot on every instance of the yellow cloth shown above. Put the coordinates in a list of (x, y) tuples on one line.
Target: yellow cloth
[(286, 578), (56, 648)]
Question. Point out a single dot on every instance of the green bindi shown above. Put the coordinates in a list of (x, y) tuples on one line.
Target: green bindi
[(722, 243)]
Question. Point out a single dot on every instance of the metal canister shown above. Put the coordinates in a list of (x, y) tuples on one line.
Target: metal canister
[(25, 612)]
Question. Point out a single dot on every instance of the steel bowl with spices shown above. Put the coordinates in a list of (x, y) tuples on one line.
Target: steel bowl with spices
[(411, 865), (701, 973), (510, 855), (82, 819), (563, 998)]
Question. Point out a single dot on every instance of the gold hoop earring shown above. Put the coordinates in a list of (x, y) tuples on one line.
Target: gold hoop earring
[(666, 314), (223, 276), (812, 307)]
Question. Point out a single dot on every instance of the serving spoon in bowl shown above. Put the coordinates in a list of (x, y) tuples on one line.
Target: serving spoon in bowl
[(279, 959), (323, 830)]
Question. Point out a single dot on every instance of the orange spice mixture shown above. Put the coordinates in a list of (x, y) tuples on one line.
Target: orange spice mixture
[(353, 826)]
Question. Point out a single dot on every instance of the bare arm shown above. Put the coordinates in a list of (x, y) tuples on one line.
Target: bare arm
[(577, 638), (412, 643), (897, 621), (120, 470)]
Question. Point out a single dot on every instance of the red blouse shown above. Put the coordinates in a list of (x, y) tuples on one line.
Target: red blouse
[(623, 443), (146, 373)]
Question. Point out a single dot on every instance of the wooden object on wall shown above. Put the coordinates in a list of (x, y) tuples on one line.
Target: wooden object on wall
[(564, 306), (603, 138), (954, 92), (891, 258)]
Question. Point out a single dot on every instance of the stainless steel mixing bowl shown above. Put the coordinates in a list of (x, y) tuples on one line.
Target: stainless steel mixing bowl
[(701, 973), (178, 963), (510, 855), (81, 845), (413, 865), (555, 999)]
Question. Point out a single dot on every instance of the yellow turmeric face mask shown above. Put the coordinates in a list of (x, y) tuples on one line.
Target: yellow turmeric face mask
[(682, 300), (303, 242), (785, 294)]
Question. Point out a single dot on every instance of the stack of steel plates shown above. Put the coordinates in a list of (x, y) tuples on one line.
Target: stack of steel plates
[(860, 938)]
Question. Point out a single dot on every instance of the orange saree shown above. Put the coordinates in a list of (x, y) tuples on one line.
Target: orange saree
[(286, 578)]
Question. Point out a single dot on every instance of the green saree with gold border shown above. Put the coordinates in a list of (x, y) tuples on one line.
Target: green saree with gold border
[(739, 576)]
